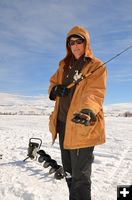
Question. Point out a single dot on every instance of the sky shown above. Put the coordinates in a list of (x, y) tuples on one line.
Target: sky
[(32, 42)]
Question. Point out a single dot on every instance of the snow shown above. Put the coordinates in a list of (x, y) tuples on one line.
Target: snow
[(30, 181)]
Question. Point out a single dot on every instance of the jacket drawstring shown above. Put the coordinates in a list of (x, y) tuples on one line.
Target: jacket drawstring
[(77, 152)]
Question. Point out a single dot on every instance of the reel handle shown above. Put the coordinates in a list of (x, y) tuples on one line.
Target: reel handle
[(40, 143)]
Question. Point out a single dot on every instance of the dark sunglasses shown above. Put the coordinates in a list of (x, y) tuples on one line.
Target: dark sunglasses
[(78, 41)]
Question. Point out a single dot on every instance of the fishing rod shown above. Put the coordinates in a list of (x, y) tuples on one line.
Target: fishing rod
[(117, 55), (80, 77)]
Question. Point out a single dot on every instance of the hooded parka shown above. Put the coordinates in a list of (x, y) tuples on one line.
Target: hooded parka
[(89, 94)]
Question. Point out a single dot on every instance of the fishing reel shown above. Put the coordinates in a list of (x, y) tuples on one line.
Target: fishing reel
[(33, 147)]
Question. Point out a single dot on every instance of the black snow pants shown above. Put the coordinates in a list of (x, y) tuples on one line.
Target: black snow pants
[(77, 164)]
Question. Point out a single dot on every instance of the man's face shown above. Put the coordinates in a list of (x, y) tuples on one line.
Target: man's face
[(77, 46)]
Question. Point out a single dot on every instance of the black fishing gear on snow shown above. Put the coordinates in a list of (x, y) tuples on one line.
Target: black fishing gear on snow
[(35, 153)]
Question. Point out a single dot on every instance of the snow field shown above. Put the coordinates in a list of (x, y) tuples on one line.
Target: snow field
[(30, 181)]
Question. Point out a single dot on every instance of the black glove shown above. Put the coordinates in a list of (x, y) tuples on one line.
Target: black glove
[(59, 90), (85, 116)]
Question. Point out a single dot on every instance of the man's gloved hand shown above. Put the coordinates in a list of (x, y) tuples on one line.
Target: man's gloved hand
[(85, 116), (59, 90)]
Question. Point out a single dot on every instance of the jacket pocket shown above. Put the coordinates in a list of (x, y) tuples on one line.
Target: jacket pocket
[(85, 130)]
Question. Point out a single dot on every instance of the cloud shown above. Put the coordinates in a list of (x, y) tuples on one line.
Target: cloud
[(122, 75), (40, 25), (32, 36)]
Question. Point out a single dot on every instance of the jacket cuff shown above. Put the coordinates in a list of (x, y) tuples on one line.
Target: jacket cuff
[(52, 95)]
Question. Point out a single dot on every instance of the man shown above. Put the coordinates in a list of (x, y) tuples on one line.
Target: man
[(78, 89)]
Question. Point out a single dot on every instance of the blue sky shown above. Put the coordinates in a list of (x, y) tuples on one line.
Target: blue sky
[(32, 42)]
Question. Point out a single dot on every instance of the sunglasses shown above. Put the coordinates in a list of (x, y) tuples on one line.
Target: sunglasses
[(78, 41)]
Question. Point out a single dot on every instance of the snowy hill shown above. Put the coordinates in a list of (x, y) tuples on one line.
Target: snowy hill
[(41, 105), (24, 105), (112, 165), (121, 109)]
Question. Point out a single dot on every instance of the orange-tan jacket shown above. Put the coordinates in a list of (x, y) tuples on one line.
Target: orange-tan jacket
[(89, 93)]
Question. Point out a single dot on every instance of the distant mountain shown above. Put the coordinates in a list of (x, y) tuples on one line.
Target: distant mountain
[(120, 109), (41, 105), (25, 105)]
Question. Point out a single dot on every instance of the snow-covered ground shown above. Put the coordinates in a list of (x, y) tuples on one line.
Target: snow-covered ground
[(30, 181)]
